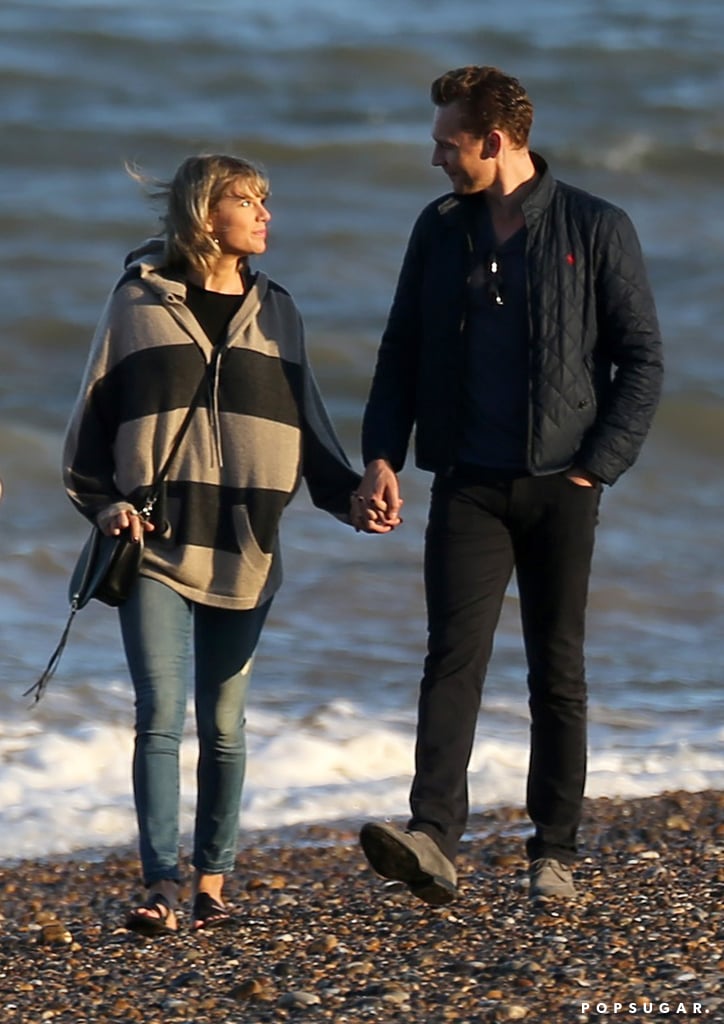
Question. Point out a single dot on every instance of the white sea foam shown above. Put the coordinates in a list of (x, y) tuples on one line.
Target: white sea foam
[(64, 792)]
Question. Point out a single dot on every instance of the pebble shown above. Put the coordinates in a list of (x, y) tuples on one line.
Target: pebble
[(252, 988), (299, 1000), (394, 994), (55, 933), (318, 937), (512, 1012), (323, 944)]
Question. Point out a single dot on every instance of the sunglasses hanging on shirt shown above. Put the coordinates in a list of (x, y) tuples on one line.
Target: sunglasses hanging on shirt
[(493, 280), (487, 276)]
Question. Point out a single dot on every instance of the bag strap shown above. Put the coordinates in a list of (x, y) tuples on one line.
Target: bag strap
[(152, 498), (39, 687)]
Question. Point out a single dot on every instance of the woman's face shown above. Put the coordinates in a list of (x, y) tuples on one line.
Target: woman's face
[(239, 221)]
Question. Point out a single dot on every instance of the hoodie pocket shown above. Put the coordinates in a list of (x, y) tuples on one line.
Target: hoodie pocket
[(258, 561)]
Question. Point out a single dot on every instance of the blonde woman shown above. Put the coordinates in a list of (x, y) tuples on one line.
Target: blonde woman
[(190, 321)]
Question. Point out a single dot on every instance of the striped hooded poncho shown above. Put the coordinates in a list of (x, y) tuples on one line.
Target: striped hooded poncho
[(260, 428)]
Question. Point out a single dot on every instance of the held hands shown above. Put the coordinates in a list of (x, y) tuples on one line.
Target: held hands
[(375, 505)]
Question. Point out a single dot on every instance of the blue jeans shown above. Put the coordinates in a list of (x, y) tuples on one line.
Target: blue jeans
[(157, 625)]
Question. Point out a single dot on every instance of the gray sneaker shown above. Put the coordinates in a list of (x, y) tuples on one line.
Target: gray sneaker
[(413, 858), (548, 877)]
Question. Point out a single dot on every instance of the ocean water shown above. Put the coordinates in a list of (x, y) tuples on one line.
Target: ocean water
[(332, 96)]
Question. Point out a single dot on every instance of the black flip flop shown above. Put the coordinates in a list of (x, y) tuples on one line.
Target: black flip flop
[(209, 912), (143, 924)]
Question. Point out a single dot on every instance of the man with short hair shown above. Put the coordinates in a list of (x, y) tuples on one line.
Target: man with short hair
[(523, 347)]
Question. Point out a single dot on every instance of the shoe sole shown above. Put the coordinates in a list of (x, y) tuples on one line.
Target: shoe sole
[(393, 860), (560, 894)]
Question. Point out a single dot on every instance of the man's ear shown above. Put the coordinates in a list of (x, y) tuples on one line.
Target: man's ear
[(491, 145)]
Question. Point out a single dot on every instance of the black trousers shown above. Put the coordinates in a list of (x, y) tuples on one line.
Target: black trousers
[(480, 530)]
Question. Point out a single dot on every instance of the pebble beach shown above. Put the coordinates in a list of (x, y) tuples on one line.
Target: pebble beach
[(317, 936), (332, 98)]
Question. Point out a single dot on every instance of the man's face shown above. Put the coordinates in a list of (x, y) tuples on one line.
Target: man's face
[(459, 153)]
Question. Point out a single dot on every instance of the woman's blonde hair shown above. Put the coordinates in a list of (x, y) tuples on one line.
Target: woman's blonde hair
[(191, 196)]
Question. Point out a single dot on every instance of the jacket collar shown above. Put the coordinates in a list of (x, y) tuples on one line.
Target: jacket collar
[(458, 209), (539, 199)]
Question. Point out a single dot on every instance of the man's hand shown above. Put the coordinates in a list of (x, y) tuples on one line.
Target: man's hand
[(376, 503), (581, 477)]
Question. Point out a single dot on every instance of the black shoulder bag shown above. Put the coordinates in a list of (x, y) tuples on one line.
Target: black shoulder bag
[(108, 566)]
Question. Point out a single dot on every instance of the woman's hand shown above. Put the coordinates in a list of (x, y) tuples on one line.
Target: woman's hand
[(113, 521)]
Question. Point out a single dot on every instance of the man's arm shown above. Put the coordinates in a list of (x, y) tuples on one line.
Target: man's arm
[(390, 411), (629, 330)]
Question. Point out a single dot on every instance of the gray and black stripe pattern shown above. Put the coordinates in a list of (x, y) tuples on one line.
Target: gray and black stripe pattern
[(259, 429)]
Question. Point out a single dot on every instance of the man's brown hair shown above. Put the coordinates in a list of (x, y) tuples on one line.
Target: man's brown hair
[(487, 99)]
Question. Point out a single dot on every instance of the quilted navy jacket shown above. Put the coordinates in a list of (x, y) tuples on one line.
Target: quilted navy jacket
[(595, 347)]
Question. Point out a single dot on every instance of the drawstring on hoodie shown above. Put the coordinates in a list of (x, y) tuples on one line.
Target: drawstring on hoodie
[(147, 261), (214, 418)]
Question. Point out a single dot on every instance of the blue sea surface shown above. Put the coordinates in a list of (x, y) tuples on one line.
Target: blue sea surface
[(333, 98)]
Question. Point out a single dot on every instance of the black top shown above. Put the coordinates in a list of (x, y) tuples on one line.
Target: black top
[(494, 423), (213, 310)]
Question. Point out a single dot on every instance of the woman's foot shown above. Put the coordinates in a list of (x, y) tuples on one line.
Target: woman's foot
[(158, 913), (208, 913), (208, 909)]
